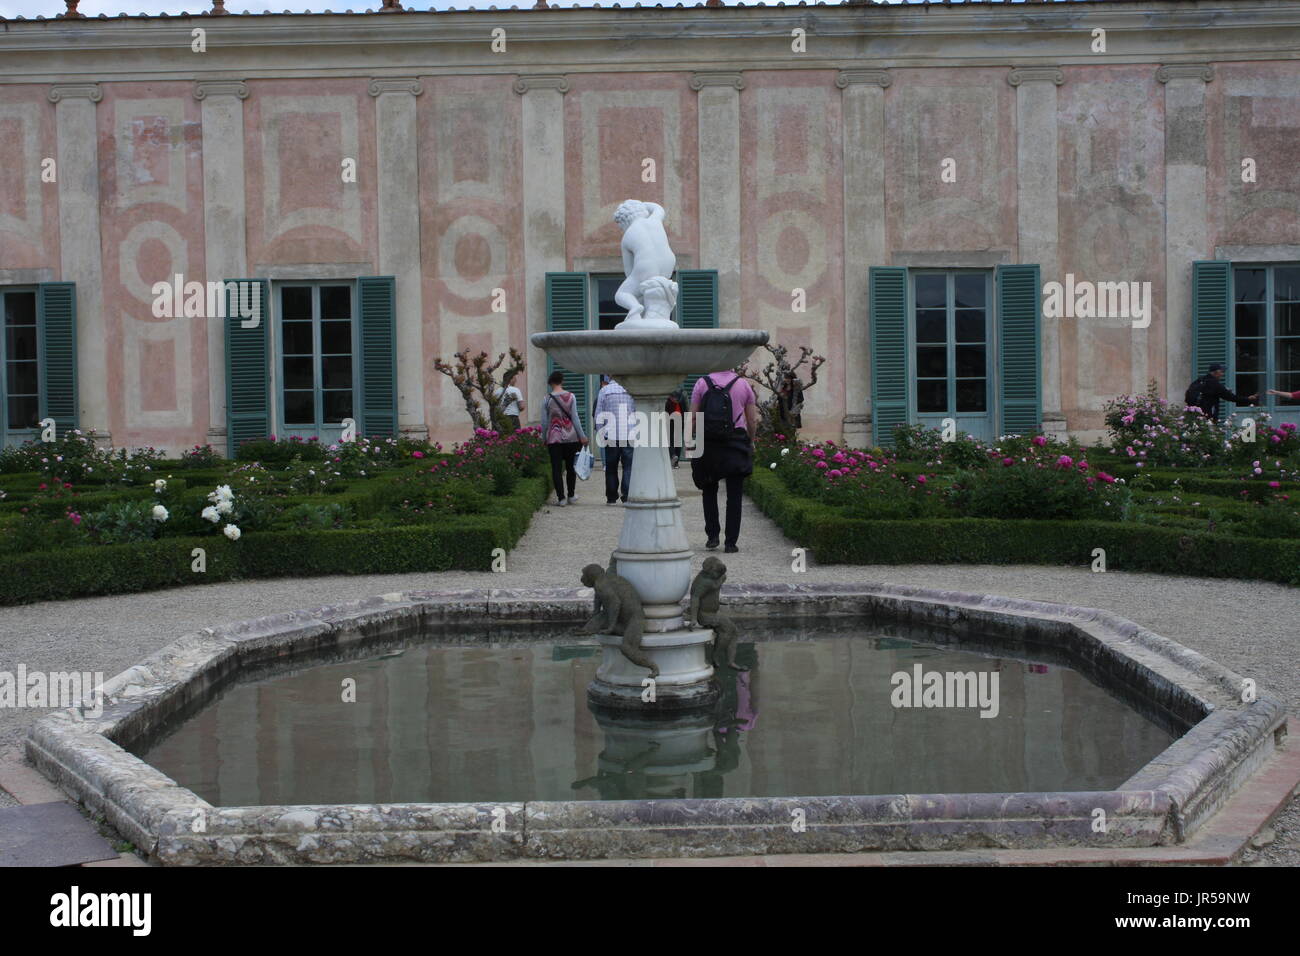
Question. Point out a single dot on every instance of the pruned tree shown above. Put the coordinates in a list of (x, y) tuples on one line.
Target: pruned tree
[(475, 377), (774, 416)]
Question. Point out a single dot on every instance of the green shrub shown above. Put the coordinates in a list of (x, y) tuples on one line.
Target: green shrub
[(123, 522)]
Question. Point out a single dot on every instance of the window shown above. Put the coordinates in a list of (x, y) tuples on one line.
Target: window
[(950, 331), (956, 343), (20, 372), (1266, 334), (317, 345)]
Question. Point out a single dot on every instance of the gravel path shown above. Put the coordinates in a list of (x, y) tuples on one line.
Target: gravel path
[(1250, 627)]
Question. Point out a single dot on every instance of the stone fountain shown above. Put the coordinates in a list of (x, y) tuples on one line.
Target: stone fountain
[(650, 356)]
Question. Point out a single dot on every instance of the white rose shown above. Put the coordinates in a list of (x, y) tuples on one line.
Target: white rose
[(785, 451), (773, 465), (160, 513), (210, 514), (224, 507), (160, 485), (231, 532)]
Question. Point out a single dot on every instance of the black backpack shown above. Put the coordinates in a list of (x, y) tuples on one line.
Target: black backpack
[(1195, 391), (719, 419)]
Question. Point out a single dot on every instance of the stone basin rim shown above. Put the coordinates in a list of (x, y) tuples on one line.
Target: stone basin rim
[(1161, 804)]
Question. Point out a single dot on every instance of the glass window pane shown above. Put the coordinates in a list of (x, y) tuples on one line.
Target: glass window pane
[(931, 361), (605, 289), (297, 338), (969, 291), (970, 361), (1250, 385), (1286, 283), (299, 408), (22, 378), (931, 325), (336, 372), (336, 338), (1286, 355), (298, 373), (1248, 285), (336, 302), (338, 405), (20, 308), (931, 291), (970, 325), (972, 395), (20, 342), (1286, 319), (932, 396), (23, 411), (1250, 355), (1250, 320), (295, 302)]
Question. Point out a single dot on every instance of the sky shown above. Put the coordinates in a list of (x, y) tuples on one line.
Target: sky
[(93, 8)]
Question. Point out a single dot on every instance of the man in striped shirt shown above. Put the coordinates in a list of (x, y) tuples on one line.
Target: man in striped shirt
[(616, 431)]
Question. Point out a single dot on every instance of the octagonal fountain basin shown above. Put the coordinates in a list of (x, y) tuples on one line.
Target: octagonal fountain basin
[(454, 726)]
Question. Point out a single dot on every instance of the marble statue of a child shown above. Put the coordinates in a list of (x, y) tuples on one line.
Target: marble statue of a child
[(648, 293)]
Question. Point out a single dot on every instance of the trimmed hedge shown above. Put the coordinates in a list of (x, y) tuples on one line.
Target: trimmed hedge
[(836, 539), (464, 543)]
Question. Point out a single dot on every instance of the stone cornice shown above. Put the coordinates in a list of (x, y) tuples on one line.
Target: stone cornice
[(847, 78), (396, 84), (700, 80), (205, 88), (75, 91), (1185, 71), (542, 81), (1032, 74)]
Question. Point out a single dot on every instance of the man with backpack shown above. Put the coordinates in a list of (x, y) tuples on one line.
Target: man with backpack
[(727, 449), (1207, 391)]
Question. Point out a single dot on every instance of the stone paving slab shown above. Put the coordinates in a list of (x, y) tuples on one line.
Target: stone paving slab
[(49, 834)]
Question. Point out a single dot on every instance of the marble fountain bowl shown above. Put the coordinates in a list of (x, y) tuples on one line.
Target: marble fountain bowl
[(650, 361), (1212, 736)]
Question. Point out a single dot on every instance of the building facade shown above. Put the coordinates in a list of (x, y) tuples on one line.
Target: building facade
[(1004, 214)]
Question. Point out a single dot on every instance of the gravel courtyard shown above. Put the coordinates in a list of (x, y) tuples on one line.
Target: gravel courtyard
[(1250, 627)]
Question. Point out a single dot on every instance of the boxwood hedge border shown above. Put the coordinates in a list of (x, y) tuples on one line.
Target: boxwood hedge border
[(463, 542), (835, 538)]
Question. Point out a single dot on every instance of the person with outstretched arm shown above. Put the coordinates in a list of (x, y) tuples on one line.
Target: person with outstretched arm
[(1208, 391)]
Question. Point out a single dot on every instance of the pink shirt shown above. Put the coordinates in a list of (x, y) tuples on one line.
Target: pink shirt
[(742, 395)]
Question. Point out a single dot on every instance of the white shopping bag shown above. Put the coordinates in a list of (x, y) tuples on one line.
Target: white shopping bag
[(582, 464)]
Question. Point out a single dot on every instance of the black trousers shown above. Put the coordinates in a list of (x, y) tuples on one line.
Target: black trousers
[(562, 454), (735, 497)]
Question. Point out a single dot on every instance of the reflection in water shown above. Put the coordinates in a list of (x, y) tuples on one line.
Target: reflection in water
[(511, 722)]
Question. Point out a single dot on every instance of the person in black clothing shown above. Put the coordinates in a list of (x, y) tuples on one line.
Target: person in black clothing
[(1210, 391)]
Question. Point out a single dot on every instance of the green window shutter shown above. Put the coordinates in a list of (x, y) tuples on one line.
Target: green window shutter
[(56, 330), (889, 364), (248, 390), (1019, 360), (566, 311), (697, 308), (378, 418), (1211, 324)]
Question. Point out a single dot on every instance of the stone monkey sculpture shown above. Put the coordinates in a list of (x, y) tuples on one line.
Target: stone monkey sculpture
[(705, 611), (618, 611)]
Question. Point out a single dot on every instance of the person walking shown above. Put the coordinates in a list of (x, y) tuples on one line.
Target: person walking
[(511, 400), (1207, 391), (676, 405), (727, 449), (562, 431), (616, 433)]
